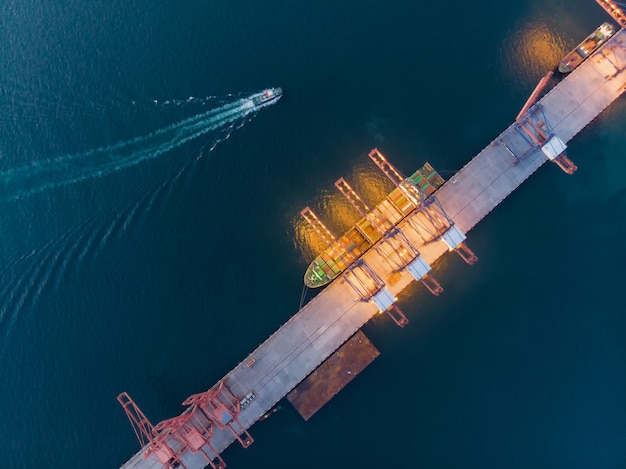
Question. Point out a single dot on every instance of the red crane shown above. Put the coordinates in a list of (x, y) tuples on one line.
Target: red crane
[(194, 432), (155, 443), (222, 407), (395, 247), (429, 218)]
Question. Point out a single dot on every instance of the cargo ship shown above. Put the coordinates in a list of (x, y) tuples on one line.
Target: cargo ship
[(268, 96), (586, 48), (363, 235)]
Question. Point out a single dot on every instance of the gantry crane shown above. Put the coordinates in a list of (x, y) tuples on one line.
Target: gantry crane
[(160, 444), (534, 127), (191, 431), (357, 273), (222, 407), (615, 9), (394, 246), (429, 219)]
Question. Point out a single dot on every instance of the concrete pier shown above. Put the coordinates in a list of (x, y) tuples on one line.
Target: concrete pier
[(296, 349)]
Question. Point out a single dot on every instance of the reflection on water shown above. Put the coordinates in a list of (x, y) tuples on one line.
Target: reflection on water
[(335, 211), (530, 51), (370, 183), (307, 241)]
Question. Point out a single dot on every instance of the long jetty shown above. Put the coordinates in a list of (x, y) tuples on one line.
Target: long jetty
[(323, 325)]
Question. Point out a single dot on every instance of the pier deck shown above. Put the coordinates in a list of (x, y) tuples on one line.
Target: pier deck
[(333, 316)]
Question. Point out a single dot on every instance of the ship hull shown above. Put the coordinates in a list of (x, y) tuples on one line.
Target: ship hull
[(268, 96), (362, 236), (586, 48)]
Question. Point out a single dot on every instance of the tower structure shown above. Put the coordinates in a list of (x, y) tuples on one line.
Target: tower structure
[(535, 129), (194, 432), (165, 449), (429, 219), (394, 247), (222, 407), (366, 283)]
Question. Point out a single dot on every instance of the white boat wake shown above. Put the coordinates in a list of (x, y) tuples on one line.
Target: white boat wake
[(27, 279), (67, 169)]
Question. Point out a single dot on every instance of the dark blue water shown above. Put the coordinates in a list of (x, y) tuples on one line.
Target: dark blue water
[(161, 273)]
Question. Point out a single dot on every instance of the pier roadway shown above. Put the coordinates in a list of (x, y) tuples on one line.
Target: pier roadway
[(324, 324)]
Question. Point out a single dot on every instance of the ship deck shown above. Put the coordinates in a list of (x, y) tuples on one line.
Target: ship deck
[(336, 314)]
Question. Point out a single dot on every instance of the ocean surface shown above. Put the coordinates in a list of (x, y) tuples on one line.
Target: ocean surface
[(151, 235)]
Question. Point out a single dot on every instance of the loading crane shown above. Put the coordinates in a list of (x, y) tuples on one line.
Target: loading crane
[(358, 274), (429, 219), (615, 9), (194, 433), (394, 247), (536, 130), (541, 86), (166, 449), (221, 407)]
